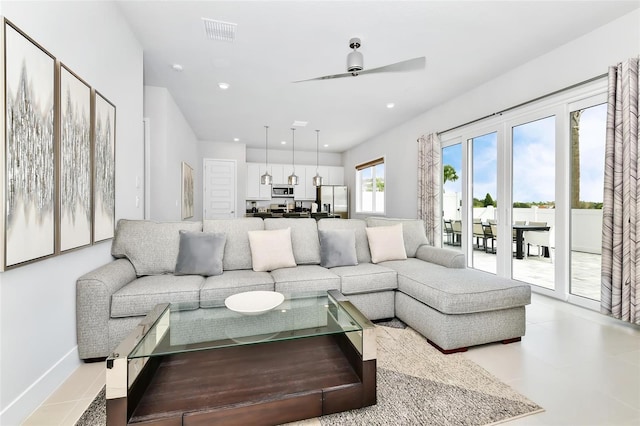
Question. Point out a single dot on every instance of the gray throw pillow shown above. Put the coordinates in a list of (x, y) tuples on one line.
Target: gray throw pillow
[(337, 248), (200, 253)]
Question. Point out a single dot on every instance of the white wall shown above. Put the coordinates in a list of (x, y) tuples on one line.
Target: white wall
[(284, 156), (37, 302), (579, 60), (171, 142), (227, 151)]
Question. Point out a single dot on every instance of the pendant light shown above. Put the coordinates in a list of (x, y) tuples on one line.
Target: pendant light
[(293, 179), (317, 179), (266, 178)]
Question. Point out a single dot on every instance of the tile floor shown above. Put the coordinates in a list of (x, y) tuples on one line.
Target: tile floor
[(582, 367)]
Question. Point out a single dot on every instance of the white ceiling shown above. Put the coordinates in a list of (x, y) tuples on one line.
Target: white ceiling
[(465, 43)]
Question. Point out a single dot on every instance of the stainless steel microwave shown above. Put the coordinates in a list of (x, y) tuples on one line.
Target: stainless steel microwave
[(282, 191)]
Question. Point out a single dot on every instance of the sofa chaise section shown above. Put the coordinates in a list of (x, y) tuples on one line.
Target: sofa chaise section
[(455, 307)]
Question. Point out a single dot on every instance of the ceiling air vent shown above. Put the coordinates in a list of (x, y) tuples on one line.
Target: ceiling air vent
[(218, 30)]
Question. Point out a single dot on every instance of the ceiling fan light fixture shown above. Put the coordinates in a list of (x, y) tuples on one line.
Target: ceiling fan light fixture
[(355, 62)]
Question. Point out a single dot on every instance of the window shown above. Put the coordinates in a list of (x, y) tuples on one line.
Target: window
[(370, 187)]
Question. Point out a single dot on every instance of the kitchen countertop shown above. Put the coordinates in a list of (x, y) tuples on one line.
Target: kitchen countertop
[(289, 215)]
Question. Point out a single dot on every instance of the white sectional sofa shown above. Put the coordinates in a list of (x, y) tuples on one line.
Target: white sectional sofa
[(431, 290)]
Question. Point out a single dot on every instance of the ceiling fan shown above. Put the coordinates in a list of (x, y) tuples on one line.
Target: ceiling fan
[(355, 65)]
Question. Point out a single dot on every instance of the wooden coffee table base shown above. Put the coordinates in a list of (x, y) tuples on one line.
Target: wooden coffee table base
[(269, 383)]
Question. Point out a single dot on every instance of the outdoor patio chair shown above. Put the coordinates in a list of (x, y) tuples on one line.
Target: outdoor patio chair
[(543, 240), (448, 232), (489, 236), (478, 234), (457, 232)]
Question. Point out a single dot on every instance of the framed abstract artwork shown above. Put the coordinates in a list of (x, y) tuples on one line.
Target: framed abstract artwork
[(75, 161), (29, 160), (187, 191), (104, 168)]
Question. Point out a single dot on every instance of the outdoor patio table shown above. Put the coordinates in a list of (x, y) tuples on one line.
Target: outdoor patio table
[(520, 237)]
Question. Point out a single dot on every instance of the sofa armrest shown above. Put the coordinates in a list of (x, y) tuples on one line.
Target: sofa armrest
[(93, 305), (441, 256)]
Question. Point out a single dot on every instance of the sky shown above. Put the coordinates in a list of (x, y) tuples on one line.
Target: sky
[(534, 160)]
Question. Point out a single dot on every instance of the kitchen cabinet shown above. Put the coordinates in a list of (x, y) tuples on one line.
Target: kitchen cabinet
[(278, 175), (300, 192), (304, 191), (309, 189), (256, 191), (336, 175)]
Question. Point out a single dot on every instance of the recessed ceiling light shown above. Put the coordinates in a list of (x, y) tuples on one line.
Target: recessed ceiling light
[(298, 123), (223, 85), (236, 139), (390, 105), (283, 142), (177, 67), (326, 145)]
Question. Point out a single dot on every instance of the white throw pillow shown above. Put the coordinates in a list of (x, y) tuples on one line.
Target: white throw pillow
[(386, 243), (271, 250)]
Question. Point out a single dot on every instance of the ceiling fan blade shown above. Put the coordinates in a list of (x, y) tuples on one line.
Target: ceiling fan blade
[(326, 77), (408, 65)]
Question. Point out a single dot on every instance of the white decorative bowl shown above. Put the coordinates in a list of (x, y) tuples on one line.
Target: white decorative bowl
[(254, 302)]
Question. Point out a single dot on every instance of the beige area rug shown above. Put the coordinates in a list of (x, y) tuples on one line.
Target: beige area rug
[(417, 385)]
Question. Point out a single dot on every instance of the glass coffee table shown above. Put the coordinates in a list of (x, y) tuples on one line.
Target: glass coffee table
[(311, 355)]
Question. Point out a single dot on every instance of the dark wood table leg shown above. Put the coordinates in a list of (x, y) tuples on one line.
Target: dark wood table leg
[(519, 244)]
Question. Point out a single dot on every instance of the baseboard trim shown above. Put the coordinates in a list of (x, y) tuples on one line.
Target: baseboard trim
[(33, 396)]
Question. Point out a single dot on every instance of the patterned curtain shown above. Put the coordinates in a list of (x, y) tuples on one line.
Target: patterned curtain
[(620, 294), (429, 184)]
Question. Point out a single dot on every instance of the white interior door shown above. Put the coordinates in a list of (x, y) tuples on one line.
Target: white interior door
[(219, 189)]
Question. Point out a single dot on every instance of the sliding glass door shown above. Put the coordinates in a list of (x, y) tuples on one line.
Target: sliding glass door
[(452, 195), (483, 232), (533, 148), (523, 190), (588, 121)]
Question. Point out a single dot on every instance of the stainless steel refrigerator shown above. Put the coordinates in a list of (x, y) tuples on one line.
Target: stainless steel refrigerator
[(333, 199)]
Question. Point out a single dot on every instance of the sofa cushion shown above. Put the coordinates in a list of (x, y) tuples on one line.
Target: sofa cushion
[(337, 248), (413, 231), (366, 278), (458, 291), (200, 253), (304, 238), (358, 226), (141, 295), (271, 250), (386, 243), (151, 247), (305, 278), (216, 289), (237, 254)]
